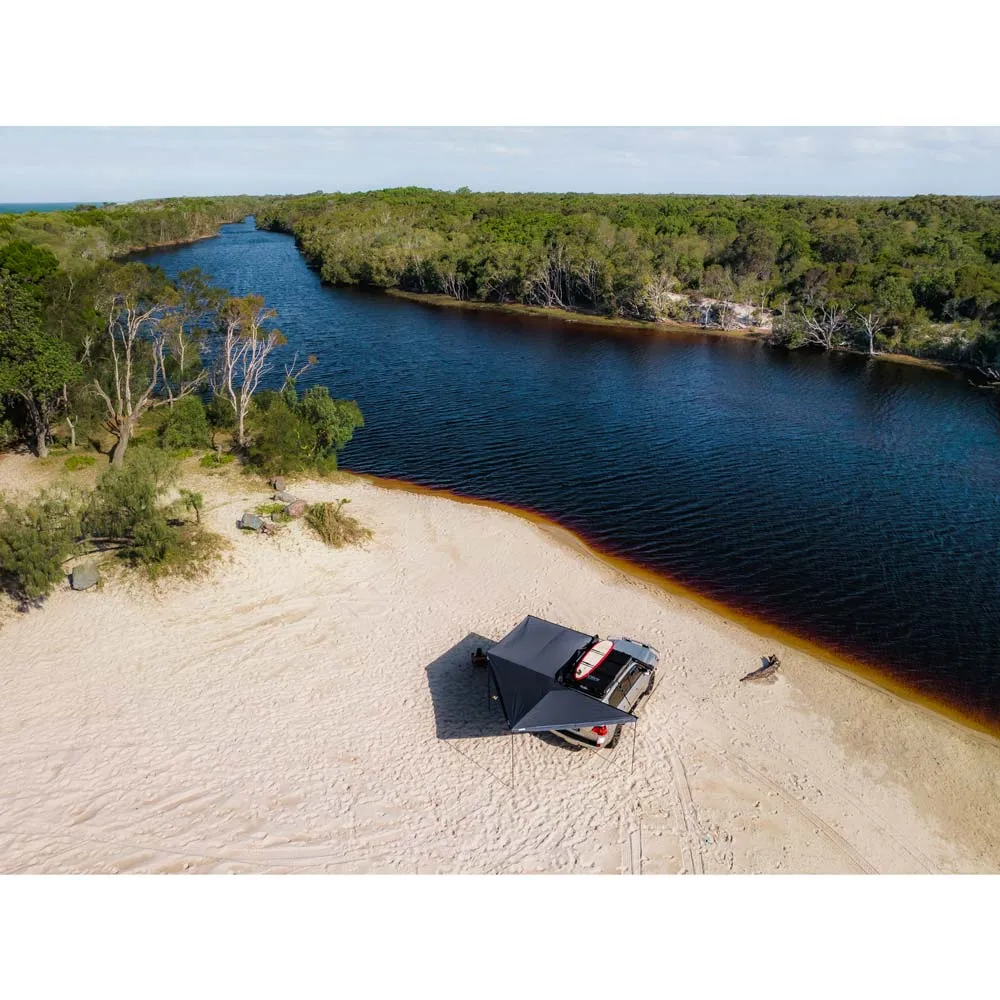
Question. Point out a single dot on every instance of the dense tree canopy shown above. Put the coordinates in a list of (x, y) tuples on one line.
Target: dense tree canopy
[(88, 234), (34, 366), (916, 275), (291, 433), (927, 267), (83, 336)]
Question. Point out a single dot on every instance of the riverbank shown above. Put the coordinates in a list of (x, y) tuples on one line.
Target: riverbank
[(172, 243), (607, 323), (311, 709), (661, 327), (856, 669)]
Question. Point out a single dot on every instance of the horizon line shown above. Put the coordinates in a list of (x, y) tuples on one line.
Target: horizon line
[(73, 202)]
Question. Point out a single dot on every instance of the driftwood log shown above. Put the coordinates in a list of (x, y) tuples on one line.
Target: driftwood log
[(768, 666)]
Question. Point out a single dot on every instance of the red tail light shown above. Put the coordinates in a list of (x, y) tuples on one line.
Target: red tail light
[(600, 730)]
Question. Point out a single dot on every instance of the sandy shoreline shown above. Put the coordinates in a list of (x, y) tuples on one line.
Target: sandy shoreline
[(311, 709)]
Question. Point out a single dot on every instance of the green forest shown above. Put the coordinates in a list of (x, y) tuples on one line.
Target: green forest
[(102, 359), (107, 361), (917, 276), (87, 234), (70, 311)]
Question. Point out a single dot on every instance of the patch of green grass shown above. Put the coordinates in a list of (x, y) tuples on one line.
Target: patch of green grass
[(335, 527), (275, 510), (270, 508), (75, 462), (216, 459)]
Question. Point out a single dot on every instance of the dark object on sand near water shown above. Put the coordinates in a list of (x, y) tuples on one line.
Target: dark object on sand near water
[(768, 666)]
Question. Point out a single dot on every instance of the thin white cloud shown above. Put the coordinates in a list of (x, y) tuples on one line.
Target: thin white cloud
[(41, 164), (507, 150)]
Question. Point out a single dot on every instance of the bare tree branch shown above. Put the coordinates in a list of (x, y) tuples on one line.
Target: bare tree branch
[(244, 355), (872, 325), (138, 349)]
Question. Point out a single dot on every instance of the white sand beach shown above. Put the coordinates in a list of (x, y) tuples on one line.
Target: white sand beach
[(308, 709)]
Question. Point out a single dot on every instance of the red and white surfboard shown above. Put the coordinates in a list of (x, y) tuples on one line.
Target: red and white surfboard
[(593, 658)]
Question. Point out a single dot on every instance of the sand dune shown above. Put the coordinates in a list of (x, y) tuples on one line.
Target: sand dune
[(311, 709)]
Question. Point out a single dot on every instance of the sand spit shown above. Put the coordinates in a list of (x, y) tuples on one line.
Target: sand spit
[(314, 710)]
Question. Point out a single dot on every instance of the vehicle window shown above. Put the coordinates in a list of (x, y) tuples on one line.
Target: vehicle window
[(626, 699), (628, 683), (617, 695)]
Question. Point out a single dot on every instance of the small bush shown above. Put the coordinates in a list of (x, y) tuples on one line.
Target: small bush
[(276, 511), (124, 507), (185, 426), (190, 554), (334, 420), (151, 540), (270, 508), (194, 502), (335, 527), (35, 540), (75, 462), (215, 460), (220, 415)]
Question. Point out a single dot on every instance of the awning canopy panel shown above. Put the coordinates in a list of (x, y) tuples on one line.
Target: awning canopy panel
[(525, 665)]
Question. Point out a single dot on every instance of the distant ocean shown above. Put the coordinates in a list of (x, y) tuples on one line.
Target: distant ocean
[(41, 206)]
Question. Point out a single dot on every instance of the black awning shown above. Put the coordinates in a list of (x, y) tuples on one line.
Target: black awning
[(525, 666)]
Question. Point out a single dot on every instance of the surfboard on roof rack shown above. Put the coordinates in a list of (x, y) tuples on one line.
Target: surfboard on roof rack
[(593, 658)]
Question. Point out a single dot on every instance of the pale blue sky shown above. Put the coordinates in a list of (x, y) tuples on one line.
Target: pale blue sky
[(121, 164)]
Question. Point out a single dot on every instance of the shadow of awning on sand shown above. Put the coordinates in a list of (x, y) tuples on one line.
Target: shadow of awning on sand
[(462, 710)]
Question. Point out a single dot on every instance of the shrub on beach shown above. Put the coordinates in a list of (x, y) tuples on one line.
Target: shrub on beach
[(335, 527), (125, 499), (125, 511), (36, 538), (190, 553), (193, 501), (289, 433), (333, 420)]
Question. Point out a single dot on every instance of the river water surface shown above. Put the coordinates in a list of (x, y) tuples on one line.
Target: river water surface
[(853, 503)]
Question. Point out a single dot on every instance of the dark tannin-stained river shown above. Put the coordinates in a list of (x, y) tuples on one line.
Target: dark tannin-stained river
[(850, 502)]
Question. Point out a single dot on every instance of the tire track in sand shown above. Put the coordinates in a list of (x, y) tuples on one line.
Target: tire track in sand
[(837, 839), (917, 856), (694, 860)]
